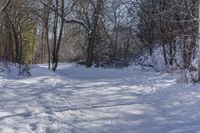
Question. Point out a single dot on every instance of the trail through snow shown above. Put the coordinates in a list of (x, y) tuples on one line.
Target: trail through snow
[(80, 100)]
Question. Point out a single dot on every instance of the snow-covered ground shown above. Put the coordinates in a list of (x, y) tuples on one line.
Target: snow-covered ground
[(96, 100)]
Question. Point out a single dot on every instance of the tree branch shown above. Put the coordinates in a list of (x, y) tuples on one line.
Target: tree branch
[(5, 6), (67, 21)]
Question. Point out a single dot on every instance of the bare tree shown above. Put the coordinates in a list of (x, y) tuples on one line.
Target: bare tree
[(89, 21)]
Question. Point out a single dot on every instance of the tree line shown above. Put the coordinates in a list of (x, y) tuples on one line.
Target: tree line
[(99, 32)]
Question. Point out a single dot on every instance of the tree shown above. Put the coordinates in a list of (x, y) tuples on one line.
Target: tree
[(57, 30), (88, 20), (164, 22), (199, 46), (20, 32)]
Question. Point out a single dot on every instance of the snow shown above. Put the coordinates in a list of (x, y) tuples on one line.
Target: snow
[(96, 100), (157, 60)]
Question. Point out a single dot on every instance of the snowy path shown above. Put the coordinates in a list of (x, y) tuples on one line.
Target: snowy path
[(80, 100)]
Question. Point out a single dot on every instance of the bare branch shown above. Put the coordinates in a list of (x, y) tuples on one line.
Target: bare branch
[(67, 21), (5, 6)]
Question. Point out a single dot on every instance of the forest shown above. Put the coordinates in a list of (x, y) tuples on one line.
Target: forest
[(108, 33)]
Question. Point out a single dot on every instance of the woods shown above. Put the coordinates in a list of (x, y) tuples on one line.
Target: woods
[(100, 32)]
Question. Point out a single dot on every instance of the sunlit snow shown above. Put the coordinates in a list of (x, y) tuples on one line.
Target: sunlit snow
[(96, 100)]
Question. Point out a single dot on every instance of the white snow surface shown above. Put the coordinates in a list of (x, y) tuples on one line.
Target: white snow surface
[(96, 100)]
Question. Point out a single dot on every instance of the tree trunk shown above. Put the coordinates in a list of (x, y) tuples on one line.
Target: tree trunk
[(47, 43), (17, 45), (58, 42), (55, 29), (198, 41), (90, 50), (165, 55), (171, 58), (92, 34)]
